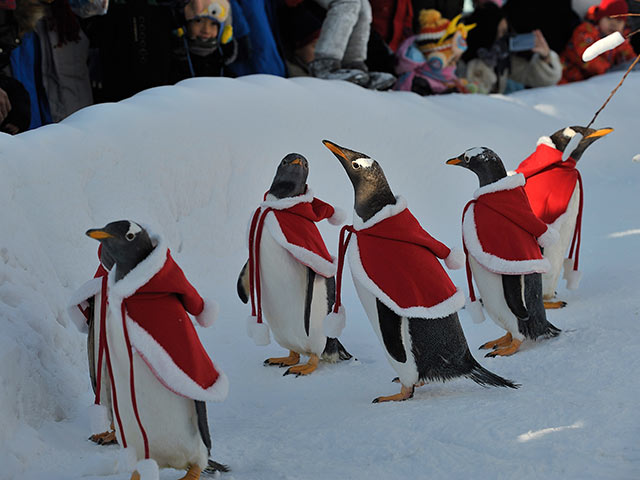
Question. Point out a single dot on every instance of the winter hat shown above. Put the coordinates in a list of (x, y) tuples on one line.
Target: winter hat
[(607, 8), (438, 34), (217, 10)]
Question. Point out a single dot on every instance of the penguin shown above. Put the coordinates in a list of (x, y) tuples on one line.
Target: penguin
[(294, 297), (554, 190), (510, 287), (161, 417), (422, 344)]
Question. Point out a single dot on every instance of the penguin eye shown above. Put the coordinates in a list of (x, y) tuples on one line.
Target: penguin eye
[(355, 165), (130, 236), (283, 162)]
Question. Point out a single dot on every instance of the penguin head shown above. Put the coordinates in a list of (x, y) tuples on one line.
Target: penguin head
[(123, 242), (484, 162), (589, 135), (291, 177), (372, 192)]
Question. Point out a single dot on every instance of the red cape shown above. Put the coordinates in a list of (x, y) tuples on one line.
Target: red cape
[(397, 261), (499, 229), (295, 230), (550, 182), (157, 298)]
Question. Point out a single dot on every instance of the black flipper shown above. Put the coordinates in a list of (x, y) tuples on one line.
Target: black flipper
[(311, 276), (334, 351), (537, 325), (390, 327), (203, 424), (330, 283), (513, 288), (441, 353), (91, 346), (243, 283)]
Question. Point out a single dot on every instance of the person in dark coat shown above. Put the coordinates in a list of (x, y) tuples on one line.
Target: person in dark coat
[(135, 40)]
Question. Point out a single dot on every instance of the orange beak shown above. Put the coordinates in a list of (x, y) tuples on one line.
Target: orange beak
[(600, 133), (335, 149), (98, 234)]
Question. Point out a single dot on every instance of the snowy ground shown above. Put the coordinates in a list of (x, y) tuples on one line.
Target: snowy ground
[(194, 160)]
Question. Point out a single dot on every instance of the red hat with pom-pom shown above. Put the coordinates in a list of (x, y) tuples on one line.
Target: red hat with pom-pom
[(607, 8)]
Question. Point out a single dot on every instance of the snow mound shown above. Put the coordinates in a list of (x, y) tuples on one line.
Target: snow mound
[(193, 161)]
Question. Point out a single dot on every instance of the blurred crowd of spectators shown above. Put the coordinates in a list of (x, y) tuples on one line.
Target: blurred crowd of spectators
[(58, 56)]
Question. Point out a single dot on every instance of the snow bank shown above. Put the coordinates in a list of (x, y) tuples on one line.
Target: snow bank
[(193, 161)]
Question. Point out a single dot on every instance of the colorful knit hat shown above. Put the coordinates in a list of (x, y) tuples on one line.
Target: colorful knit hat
[(607, 8), (438, 34), (218, 10)]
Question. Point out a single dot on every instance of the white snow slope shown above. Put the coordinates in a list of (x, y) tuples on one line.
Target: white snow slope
[(194, 160)]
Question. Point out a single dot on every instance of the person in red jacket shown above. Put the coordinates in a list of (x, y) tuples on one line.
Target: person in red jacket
[(599, 24)]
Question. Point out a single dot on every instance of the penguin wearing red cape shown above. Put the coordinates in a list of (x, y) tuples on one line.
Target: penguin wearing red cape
[(408, 297), (502, 238), (290, 275), (554, 189), (159, 374)]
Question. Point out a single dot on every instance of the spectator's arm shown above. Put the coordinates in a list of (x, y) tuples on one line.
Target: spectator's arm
[(536, 72)]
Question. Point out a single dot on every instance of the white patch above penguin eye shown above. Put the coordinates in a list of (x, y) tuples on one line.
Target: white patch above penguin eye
[(569, 132), (362, 162), (473, 152), (134, 229)]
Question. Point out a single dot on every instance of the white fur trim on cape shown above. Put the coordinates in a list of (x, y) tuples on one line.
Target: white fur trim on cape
[(443, 309), (568, 267), (339, 216), (171, 376), (455, 259), (573, 279), (505, 183), (148, 469), (209, 313), (99, 419), (549, 237), (334, 323), (307, 257), (385, 212), (259, 332), (545, 140), (475, 311), (79, 298), (491, 262), (283, 203)]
